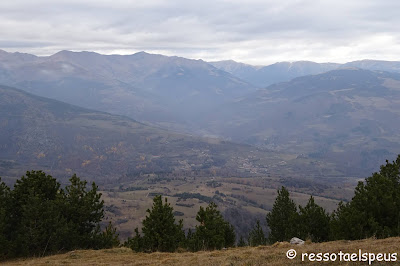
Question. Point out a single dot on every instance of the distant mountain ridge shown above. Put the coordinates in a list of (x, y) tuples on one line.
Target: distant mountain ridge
[(263, 76), (389, 66), (154, 88)]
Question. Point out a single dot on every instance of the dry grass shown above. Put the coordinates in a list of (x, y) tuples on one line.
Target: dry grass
[(263, 255)]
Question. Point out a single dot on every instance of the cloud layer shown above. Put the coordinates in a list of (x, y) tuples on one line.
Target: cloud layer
[(255, 31)]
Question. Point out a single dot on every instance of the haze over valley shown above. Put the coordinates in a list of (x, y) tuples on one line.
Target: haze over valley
[(340, 115)]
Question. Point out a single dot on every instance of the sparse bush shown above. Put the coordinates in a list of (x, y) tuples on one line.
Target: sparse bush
[(256, 236), (109, 238), (241, 242), (135, 243)]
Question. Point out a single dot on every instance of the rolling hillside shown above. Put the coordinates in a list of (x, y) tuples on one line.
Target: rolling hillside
[(346, 116), (40, 133)]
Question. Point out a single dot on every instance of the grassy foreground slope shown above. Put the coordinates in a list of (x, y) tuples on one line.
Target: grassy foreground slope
[(262, 255)]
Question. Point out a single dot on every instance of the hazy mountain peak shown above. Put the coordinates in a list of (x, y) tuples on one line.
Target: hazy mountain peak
[(274, 73), (16, 58), (390, 66), (141, 53), (66, 54), (62, 53), (371, 61), (230, 64)]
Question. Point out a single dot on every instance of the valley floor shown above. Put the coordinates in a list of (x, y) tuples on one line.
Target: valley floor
[(262, 255)]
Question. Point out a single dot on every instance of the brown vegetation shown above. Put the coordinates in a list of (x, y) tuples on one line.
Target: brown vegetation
[(262, 255)]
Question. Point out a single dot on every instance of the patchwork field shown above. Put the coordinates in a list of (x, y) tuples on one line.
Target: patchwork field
[(241, 200)]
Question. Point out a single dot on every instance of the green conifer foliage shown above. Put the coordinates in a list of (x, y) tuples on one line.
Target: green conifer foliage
[(84, 210), (241, 242), (256, 236), (192, 243), (283, 218), (38, 218), (313, 222), (375, 208), (109, 238), (37, 225), (135, 243), (213, 232), (4, 201), (160, 232)]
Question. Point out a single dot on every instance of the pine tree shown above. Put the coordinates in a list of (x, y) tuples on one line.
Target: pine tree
[(109, 238), (160, 232), (283, 218), (241, 242), (347, 223), (375, 208), (4, 201), (37, 225), (135, 243), (230, 235), (213, 232), (256, 236), (192, 242), (84, 211), (313, 222), (41, 218)]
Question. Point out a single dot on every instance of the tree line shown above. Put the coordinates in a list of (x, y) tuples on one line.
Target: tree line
[(38, 217), (374, 211), (161, 232)]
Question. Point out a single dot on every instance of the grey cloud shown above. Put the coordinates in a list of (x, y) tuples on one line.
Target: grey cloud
[(253, 31)]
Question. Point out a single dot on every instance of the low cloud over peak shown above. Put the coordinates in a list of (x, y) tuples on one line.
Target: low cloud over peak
[(255, 32)]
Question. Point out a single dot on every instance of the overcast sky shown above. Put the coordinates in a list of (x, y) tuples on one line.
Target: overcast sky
[(253, 31)]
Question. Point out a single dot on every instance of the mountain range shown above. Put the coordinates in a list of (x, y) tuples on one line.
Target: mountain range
[(342, 115), (263, 76), (154, 88)]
